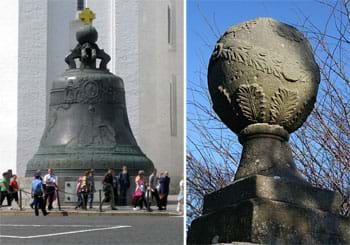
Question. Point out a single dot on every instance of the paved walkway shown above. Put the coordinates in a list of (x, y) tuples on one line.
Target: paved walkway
[(86, 230), (106, 210)]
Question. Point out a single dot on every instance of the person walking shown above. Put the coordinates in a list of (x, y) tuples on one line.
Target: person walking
[(37, 173), (10, 175), (108, 189), (91, 187), (14, 190), (140, 190), (115, 188), (79, 201), (124, 185), (37, 194), (50, 180), (153, 183), (180, 197), (82, 191), (148, 197), (164, 182), (5, 189)]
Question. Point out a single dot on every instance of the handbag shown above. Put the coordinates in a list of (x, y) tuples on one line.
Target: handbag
[(138, 192)]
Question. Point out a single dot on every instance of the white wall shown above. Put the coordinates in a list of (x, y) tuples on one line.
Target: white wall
[(8, 81), (161, 62), (125, 57), (32, 67)]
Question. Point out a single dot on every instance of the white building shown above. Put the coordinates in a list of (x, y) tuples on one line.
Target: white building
[(145, 41)]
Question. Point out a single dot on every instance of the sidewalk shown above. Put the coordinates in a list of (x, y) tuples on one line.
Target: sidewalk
[(106, 210)]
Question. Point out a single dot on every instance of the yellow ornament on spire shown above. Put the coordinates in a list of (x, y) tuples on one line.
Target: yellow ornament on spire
[(87, 16)]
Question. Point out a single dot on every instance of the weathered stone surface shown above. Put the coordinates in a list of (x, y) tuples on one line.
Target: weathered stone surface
[(236, 243), (275, 189), (263, 71), (266, 151), (263, 81), (259, 220)]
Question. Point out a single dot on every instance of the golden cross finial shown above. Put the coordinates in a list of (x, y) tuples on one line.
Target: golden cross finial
[(87, 16)]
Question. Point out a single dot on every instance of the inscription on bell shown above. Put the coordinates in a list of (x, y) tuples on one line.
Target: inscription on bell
[(87, 91)]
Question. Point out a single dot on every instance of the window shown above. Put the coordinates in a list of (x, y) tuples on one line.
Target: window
[(80, 5), (173, 107), (169, 25)]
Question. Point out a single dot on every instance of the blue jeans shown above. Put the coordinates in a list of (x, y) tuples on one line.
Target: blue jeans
[(90, 198), (82, 200)]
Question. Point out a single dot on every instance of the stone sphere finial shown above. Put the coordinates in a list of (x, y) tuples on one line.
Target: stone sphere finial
[(263, 71)]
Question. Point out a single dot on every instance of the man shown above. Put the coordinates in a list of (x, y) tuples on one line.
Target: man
[(115, 188), (124, 185), (91, 187), (164, 182), (37, 173), (153, 183), (37, 194), (50, 187), (5, 188), (9, 171), (108, 189)]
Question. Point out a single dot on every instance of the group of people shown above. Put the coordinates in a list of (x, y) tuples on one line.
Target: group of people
[(157, 187), (115, 188), (9, 188), (111, 182), (86, 189), (43, 191)]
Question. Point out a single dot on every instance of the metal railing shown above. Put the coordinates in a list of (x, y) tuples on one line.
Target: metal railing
[(22, 191)]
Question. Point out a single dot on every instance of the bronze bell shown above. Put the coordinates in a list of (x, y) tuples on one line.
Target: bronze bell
[(88, 125)]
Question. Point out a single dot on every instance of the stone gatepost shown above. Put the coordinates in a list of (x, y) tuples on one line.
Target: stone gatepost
[(263, 81)]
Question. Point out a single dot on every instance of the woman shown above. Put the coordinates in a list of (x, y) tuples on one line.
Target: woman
[(140, 190), (180, 197), (164, 182), (14, 189), (82, 190)]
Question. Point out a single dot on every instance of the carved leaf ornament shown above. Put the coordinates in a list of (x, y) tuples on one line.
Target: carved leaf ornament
[(283, 105), (252, 102), (258, 59)]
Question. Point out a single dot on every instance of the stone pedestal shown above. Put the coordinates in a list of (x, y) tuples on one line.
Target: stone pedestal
[(263, 81), (272, 210)]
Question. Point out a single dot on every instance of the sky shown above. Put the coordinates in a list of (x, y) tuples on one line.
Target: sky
[(201, 38)]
